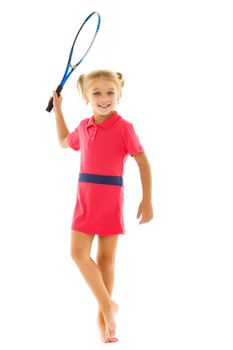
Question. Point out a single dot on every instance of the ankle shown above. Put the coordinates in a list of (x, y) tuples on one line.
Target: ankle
[(106, 306)]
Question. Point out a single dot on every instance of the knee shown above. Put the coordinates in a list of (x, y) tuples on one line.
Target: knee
[(78, 255), (106, 262)]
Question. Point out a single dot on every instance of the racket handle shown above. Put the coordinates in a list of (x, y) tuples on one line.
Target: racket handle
[(50, 104)]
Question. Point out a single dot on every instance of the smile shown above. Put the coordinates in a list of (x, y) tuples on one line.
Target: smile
[(104, 106)]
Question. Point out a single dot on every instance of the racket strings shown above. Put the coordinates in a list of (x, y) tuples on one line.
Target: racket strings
[(84, 42), (75, 65)]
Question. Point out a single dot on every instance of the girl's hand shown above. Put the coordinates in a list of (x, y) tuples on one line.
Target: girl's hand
[(145, 210), (57, 102)]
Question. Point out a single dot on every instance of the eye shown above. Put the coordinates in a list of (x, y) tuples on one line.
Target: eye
[(96, 93), (111, 93)]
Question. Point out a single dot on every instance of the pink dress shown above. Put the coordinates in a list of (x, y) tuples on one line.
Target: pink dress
[(100, 192)]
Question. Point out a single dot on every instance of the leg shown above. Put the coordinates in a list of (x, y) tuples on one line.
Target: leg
[(106, 260), (80, 251)]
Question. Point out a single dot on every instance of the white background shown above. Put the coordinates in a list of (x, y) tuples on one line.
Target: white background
[(174, 274)]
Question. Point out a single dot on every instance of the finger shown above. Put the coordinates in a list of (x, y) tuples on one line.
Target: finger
[(139, 212), (145, 219), (142, 220), (56, 95)]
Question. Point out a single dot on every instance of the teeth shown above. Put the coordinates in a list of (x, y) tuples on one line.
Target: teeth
[(104, 106)]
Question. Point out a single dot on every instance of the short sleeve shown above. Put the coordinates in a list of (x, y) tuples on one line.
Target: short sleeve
[(73, 138), (132, 143)]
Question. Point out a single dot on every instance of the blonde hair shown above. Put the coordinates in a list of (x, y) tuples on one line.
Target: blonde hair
[(85, 80)]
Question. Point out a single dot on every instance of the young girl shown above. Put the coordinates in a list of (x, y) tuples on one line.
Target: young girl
[(105, 140)]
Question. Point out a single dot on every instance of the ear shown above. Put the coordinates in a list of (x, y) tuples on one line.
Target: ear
[(85, 97), (119, 96)]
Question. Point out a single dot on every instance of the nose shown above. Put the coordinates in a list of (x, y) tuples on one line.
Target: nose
[(104, 100)]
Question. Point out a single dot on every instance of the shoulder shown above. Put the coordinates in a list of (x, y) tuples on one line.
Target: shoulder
[(124, 123), (82, 123), (126, 127)]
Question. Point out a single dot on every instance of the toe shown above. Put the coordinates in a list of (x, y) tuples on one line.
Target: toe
[(105, 340), (113, 339), (109, 339)]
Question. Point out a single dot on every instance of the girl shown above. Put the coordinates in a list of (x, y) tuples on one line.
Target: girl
[(105, 140)]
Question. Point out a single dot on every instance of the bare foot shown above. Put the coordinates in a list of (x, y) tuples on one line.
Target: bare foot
[(109, 340), (109, 313), (102, 330)]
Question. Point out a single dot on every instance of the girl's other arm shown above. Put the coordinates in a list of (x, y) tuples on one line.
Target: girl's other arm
[(145, 209), (62, 130)]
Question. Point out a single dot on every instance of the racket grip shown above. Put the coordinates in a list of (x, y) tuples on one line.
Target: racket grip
[(50, 104)]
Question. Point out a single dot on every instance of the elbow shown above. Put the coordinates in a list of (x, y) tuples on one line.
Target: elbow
[(64, 143)]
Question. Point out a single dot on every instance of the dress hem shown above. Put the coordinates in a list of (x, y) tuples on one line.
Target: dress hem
[(90, 232)]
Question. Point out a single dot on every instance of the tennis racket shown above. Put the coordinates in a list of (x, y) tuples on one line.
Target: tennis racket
[(82, 44)]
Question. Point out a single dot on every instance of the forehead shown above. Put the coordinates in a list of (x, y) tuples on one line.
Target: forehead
[(102, 83)]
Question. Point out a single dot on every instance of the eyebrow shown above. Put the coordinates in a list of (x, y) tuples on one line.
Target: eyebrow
[(100, 89)]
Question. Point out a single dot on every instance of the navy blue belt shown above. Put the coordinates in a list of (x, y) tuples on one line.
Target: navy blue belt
[(101, 179)]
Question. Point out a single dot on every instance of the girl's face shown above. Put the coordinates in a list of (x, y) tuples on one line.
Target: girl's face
[(103, 96)]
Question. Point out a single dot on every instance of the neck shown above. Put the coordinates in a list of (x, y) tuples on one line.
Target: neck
[(101, 118)]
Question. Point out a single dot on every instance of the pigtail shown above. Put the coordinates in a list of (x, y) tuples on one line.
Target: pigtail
[(80, 83), (120, 79)]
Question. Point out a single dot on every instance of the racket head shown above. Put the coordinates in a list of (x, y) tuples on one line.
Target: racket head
[(82, 43)]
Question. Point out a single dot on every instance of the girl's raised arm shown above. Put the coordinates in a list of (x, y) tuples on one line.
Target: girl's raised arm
[(62, 130)]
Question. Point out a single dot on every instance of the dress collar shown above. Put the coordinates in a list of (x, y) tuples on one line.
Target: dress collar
[(107, 123)]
